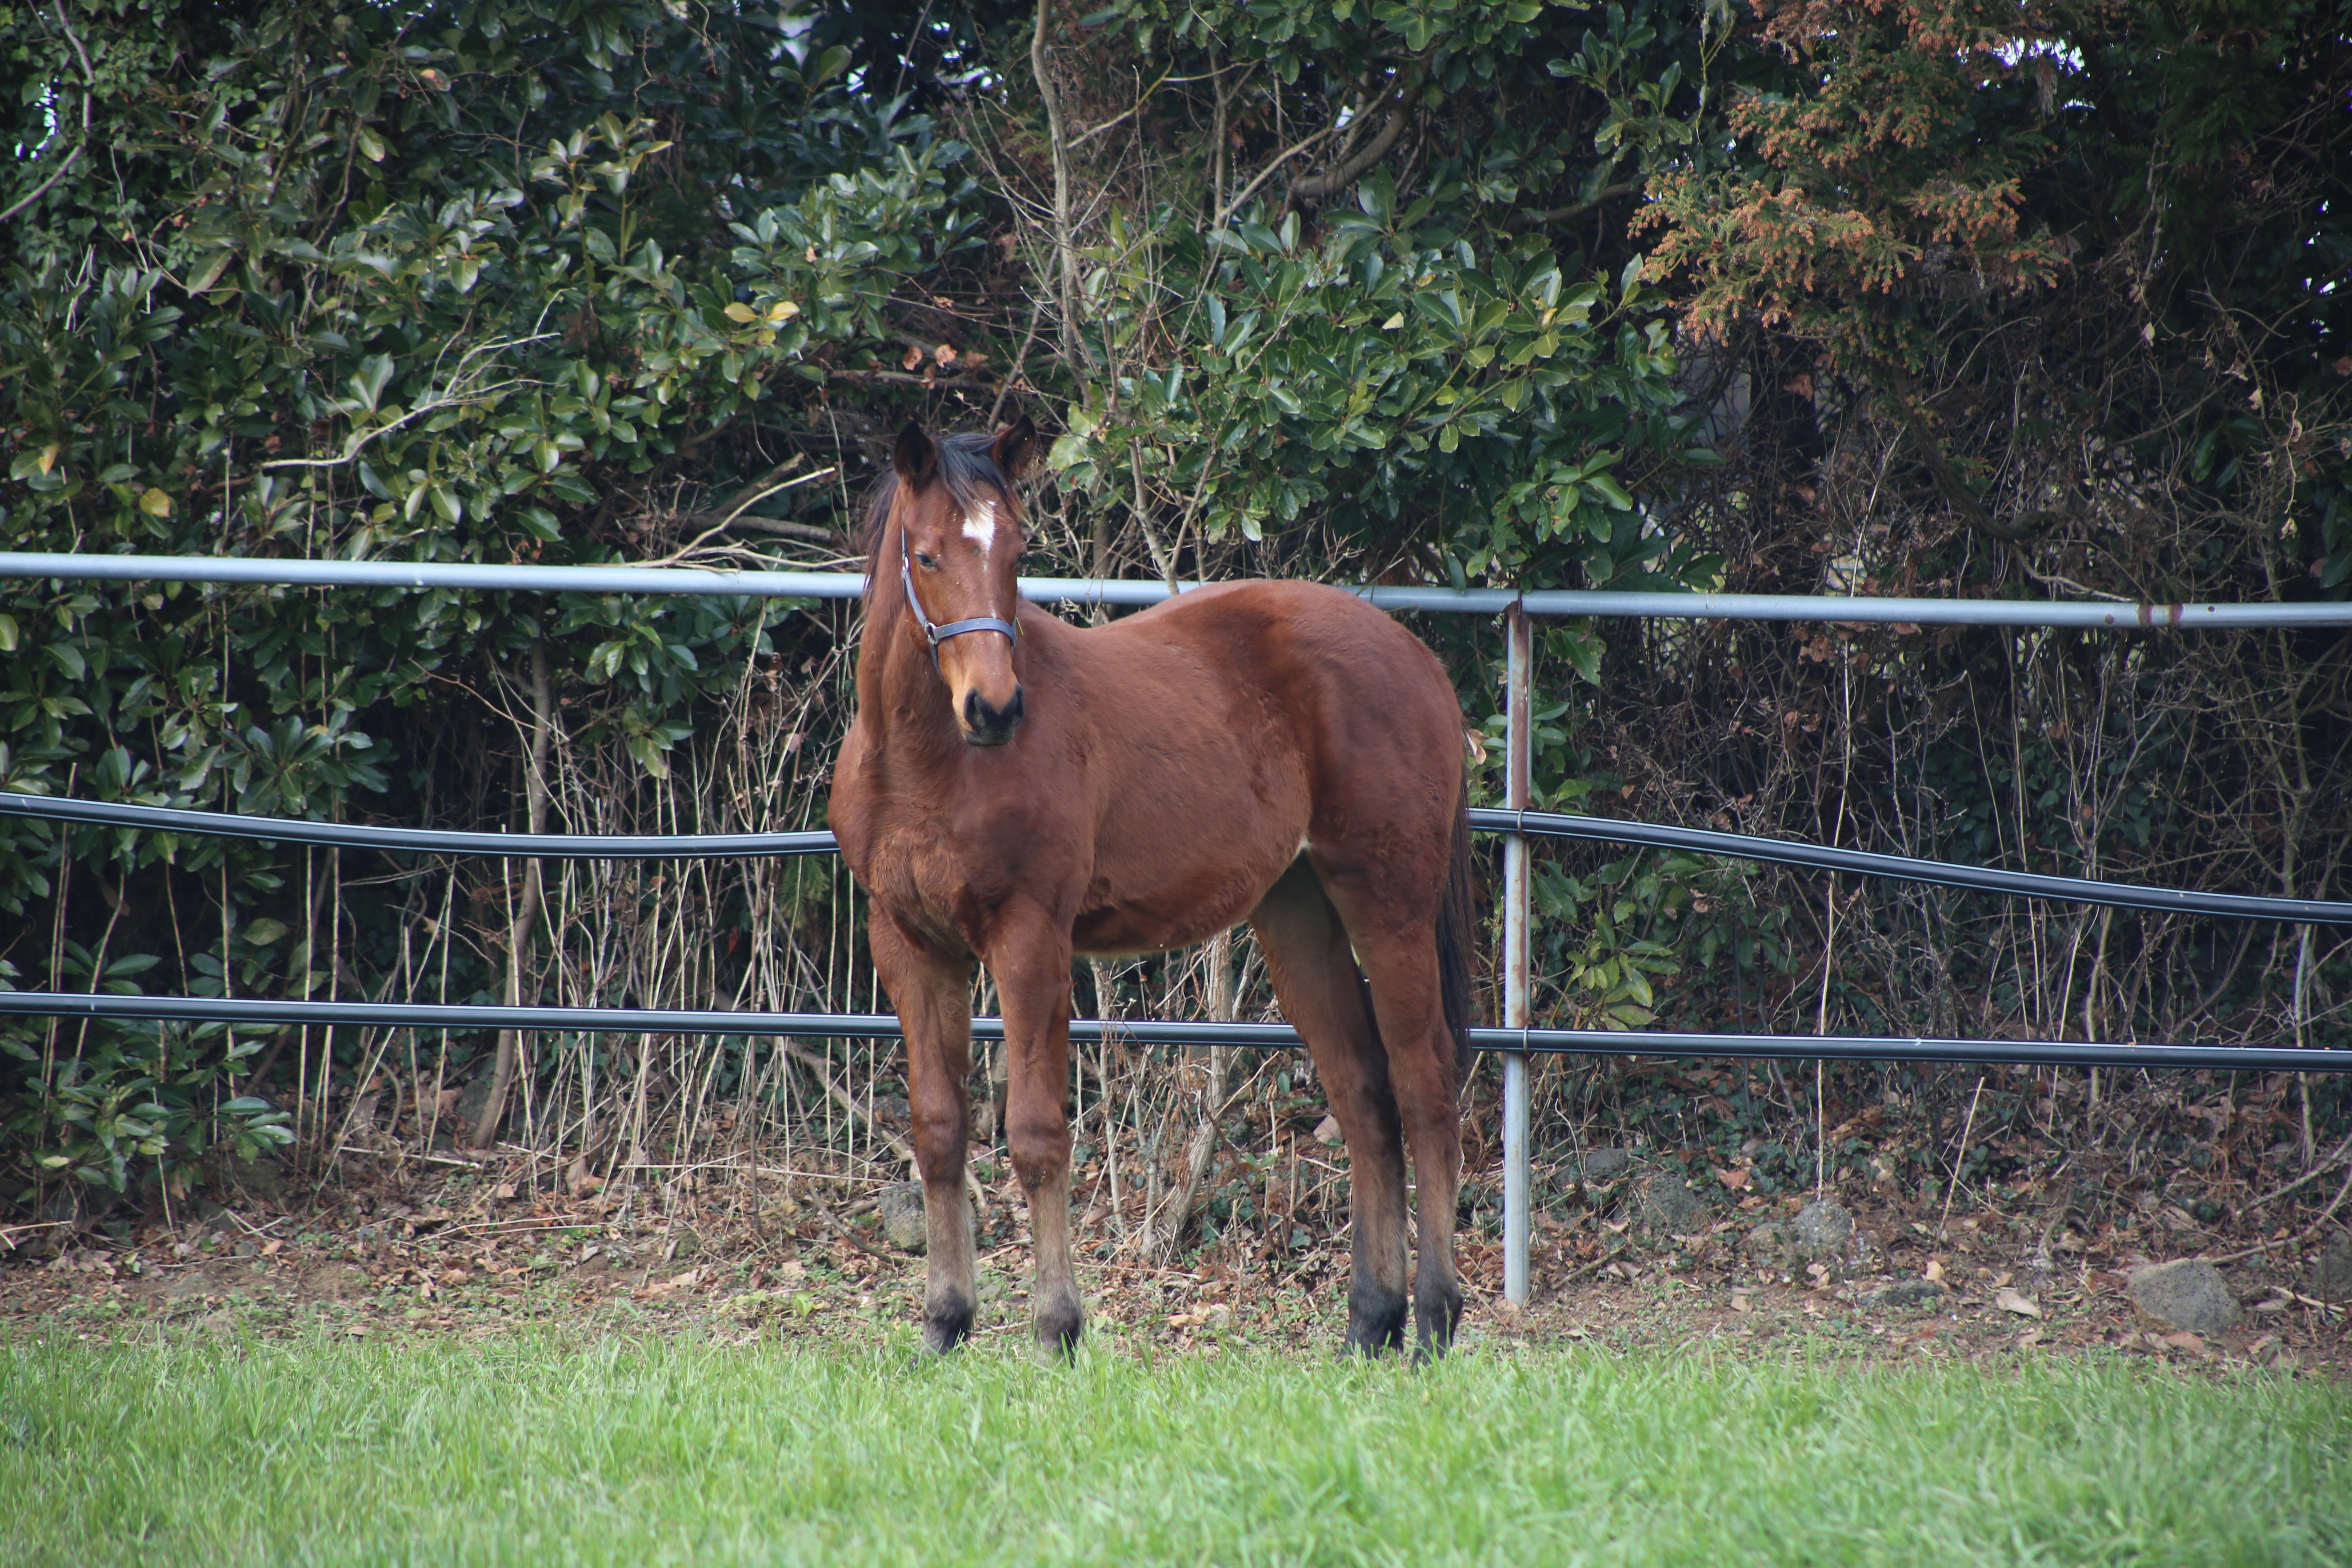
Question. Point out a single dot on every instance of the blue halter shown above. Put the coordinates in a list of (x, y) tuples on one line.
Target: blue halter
[(939, 634)]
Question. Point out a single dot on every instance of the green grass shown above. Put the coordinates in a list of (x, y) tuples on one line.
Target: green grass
[(536, 1449)]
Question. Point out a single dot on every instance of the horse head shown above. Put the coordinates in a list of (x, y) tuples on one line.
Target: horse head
[(959, 528)]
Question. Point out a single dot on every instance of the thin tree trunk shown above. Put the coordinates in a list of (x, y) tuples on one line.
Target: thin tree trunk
[(523, 921), (1066, 255)]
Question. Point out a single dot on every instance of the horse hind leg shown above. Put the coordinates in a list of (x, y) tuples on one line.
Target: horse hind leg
[(1424, 1072), (1405, 933), (1315, 980)]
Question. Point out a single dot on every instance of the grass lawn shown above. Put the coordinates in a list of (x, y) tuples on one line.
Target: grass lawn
[(544, 1447)]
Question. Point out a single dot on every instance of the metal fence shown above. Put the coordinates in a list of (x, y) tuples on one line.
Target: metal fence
[(1516, 1039)]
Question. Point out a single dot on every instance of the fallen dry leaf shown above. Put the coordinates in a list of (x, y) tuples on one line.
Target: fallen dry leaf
[(1735, 1180), (1935, 1270), (2010, 1301), (2185, 1341)]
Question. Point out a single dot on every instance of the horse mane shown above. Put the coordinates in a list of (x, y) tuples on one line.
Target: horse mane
[(966, 463)]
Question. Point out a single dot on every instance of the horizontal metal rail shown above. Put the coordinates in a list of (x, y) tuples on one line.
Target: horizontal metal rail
[(1153, 1032), (358, 835), (1538, 824), (1940, 873), (2088, 614)]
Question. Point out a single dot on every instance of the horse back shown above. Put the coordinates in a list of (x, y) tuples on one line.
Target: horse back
[(1232, 728)]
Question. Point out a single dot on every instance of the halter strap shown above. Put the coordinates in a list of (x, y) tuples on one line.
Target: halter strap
[(936, 633)]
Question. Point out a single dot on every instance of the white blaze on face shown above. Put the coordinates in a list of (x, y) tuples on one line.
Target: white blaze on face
[(979, 527)]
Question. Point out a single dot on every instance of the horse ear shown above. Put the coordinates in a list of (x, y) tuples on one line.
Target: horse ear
[(914, 456), (1013, 448)]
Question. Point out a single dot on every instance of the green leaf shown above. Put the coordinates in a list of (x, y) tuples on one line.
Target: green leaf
[(831, 63), (375, 374), (209, 273), (1583, 650), (1610, 491)]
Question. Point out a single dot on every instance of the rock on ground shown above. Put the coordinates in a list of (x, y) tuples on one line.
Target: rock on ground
[(2189, 1296), (1594, 1166), (1821, 1232), (901, 1208), (1903, 1293), (1667, 1204), (1822, 1227), (2331, 1276)]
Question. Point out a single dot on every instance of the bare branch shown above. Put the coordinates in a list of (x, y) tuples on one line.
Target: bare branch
[(1948, 483), (458, 395), (89, 87), (1066, 255), (1225, 213), (1574, 209), (1315, 187), (744, 503)]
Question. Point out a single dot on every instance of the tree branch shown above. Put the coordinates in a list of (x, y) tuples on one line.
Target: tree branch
[(89, 88), (1066, 255), (458, 395), (1225, 213), (1315, 187), (900, 378), (1948, 479), (1525, 220)]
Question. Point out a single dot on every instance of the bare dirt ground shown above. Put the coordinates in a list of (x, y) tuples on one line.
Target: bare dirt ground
[(476, 1251)]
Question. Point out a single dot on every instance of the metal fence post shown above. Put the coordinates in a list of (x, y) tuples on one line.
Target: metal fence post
[(1517, 721)]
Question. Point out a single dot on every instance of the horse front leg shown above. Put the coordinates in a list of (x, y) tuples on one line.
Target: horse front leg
[(1030, 961), (932, 991)]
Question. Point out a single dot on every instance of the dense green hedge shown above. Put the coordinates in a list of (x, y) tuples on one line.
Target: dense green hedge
[(1540, 293)]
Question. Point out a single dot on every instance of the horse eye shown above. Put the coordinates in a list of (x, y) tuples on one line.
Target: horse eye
[(925, 559)]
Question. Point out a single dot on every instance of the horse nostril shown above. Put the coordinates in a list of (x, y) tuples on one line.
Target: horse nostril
[(986, 724)]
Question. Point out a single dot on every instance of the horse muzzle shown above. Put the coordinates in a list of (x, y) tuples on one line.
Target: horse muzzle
[(984, 724)]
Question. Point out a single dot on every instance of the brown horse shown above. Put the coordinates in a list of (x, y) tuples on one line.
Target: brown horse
[(1015, 791)]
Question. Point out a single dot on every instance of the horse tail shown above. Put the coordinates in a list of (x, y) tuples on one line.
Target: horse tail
[(1457, 930)]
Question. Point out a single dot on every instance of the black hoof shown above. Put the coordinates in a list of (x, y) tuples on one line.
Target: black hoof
[(946, 1326), (1059, 1327), (1375, 1321), (1435, 1322)]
